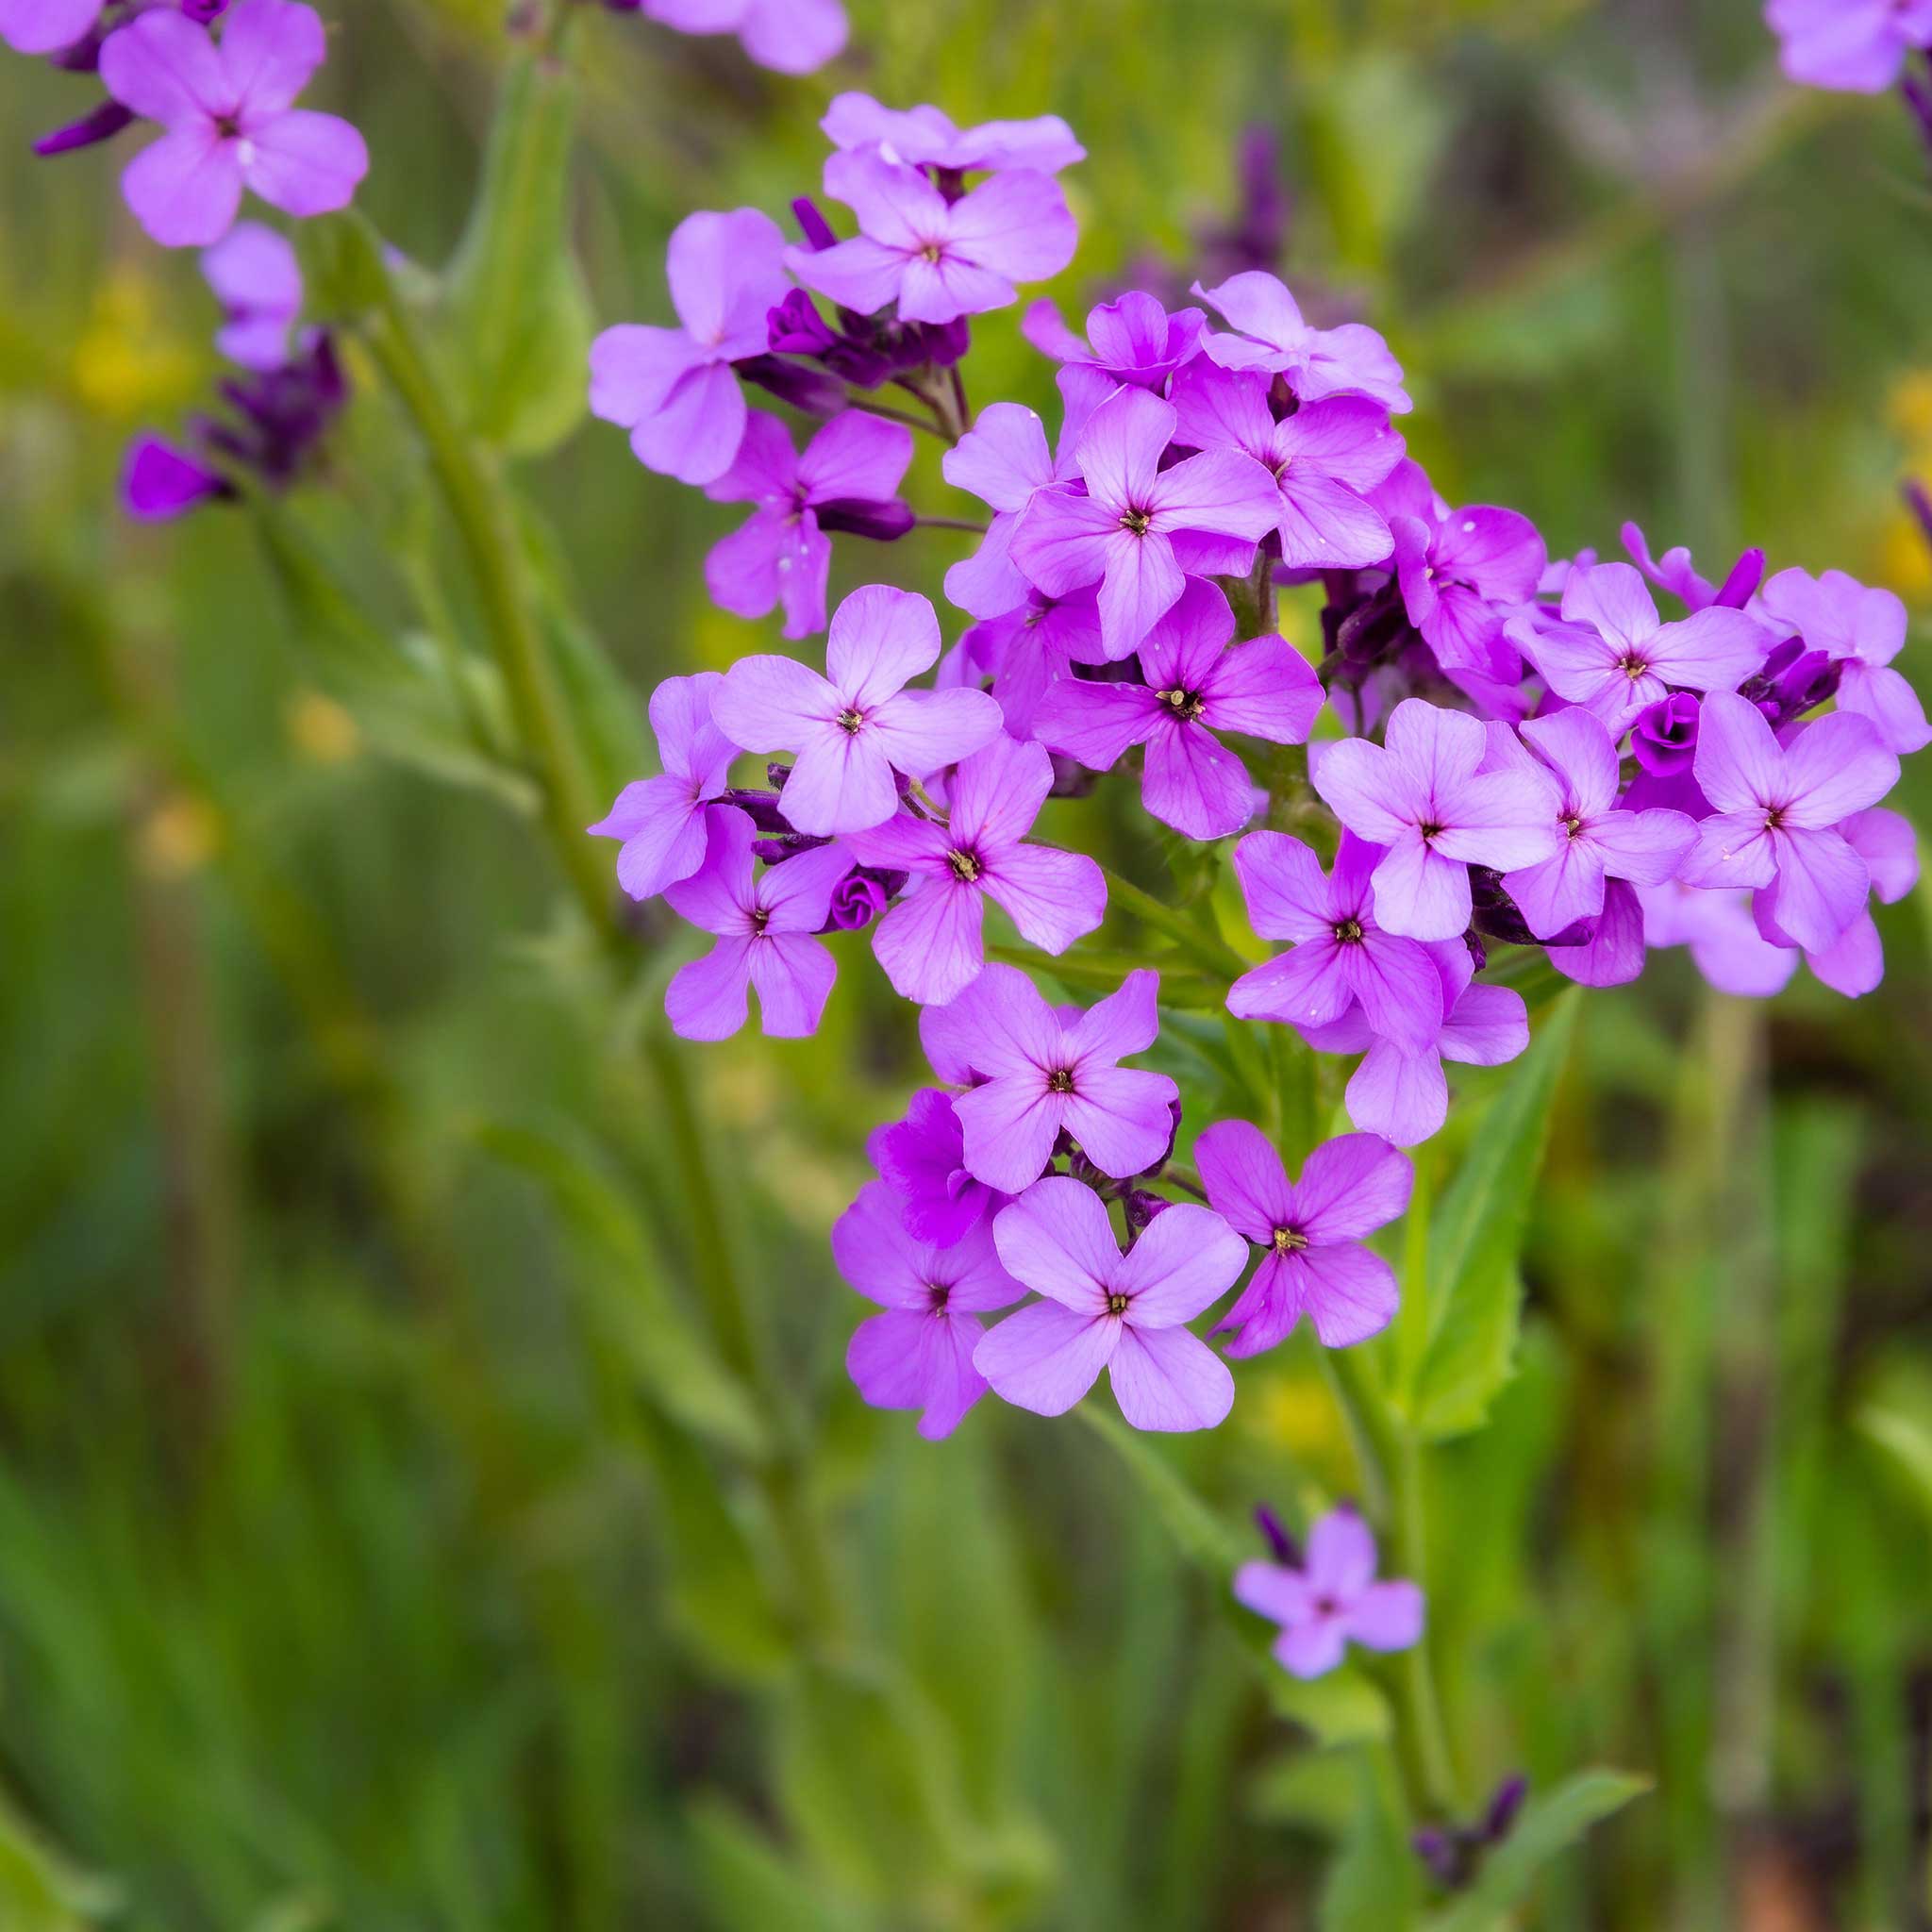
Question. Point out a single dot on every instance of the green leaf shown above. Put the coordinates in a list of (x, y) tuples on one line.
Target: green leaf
[(1476, 1291), (1546, 1827), (746, 1884), (519, 314), (1372, 1885), (1906, 1434), (39, 1892), (341, 266)]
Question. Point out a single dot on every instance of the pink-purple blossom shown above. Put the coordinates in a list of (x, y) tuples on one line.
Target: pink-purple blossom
[(1332, 1599), (1861, 631), (787, 36), (1132, 339), (921, 1158), (44, 26), (1461, 573), (1855, 46), (1270, 333), (257, 279), (924, 137)]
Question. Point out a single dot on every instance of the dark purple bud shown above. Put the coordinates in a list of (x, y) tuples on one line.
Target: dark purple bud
[(1741, 585), (203, 11), (162, 481), (1140, 1208), (776, 772), (777, 847), (884, 523), (1920, 503), (1918, 98), (857, 899), (812, 224), (761, 807), (1504, 1806), (813, 391), (1791, 681), (795, 328), (1444, 1854), (99, 124), (1497, 916), (1664, 737), (1280, 1544), (1071, 778), (950, 183), (945, 342)]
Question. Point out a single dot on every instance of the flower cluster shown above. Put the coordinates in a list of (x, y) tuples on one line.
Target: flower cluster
[(1490, 754)]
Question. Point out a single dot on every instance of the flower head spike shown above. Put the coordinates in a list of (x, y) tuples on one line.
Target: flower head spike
[(787, 36), (229, 120), (1420, 796), (1856, 46), (1194, 687), (847, 477), (662, 821), (1140, 529), (1270, 334), (855, 727), (924, 137), (1044, 1076), (1132, 339), (919, 1353), (1861, 631), (937, 259), (930, 943), (673, 389), (1333, 1600), (763, 921), (1310, 1233), (257, 281), (1103, 1309)]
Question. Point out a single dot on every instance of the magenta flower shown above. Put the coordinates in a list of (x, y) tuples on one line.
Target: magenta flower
[(930, 943), (1776, 811), (1322, 458), (673, 389), (1103, 1309), (919, 1353), (764, 922), (1341, 956), (922, 137), (787, 36), (1310, 1233), (1045, 1077), (847, 478), (1004, 460), (1270, 334), (1333, 1600), (1615, 656), (921, 1158), (1594, 840), (160, 481), (1861, 631), (1419, 794), (1194, 685), (662, 821), (257, 281), (1030, 648), (44, 26), (229, 120), (1461, 574), (1132, 340), (855, 727), (1856, 46), (938, 259), (1140, 529)]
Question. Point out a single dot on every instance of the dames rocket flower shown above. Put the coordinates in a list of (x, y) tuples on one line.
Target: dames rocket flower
[(662, 821), (1132, 340), (1332, 1600), (257, 281), (921, 1158), (229, 120), (787, 36), (1855, 46), (1103, 1309), (1459, 571), (1270, 334), (1861, 631), (924, 137), (44, 26)]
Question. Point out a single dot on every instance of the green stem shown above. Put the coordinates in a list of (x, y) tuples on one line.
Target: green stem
[(965, 523), (1124, 894), (860, 400)]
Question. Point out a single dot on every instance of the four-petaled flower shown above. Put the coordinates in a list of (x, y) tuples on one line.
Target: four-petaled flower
[(1270, 334), (1861, 631), (1132, 340), (1333, 1600)]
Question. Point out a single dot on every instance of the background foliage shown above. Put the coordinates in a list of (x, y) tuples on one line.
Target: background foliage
[(384, 1542)]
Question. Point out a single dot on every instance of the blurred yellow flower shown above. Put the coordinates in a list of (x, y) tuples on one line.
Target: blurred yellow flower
[(179, 836), (322, 730), (129, 361)]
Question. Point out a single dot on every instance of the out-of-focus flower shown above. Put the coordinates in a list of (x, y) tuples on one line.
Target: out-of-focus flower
[(1857, 46), (1332, 1600), (257, 281), (924, 137), (1861, 631), (787, 36), (1132, 339), (662, 821), (1271, 334)]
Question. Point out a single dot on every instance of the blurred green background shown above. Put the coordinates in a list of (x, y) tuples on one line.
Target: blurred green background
[(377, 1550)]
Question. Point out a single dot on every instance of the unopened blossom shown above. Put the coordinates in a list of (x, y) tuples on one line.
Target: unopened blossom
[(1332, 1600), (930, 943), (1310, 1233), (1776, 810), (228, 118), (1341, 956), (787, 36), (673, 389), (160, 480), (1323, 459), (1043, 1076), (924, 137), (1132, 339), (1103, 1309), (257, 279), (1419, 794), (662, 821), (1861, 631), (1193, 686), (1271, 334), (44, 26), (1614, 655), (846, 478), (936, 258), (921, 1158), (763, 919), (1140, 530), (1855, 46), (853, 727), (918, 1354)]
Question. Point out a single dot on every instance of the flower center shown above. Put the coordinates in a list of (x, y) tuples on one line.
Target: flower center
[(1632, 666), (1288, 1240), (1349, 931), (1325, 1606), (1774, 819), (1185, 705), (933, 252), (1060, 1080), (760, 917), (850, 721), (1117, 1303), (1429, 829), (1135, 522), (938, 1293), (965, 866), (1573, 825)]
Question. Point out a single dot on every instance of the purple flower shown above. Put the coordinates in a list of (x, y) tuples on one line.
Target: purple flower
[(1672, 571), (1663, 739), (860, 898), (1140, 529), (1341, 956), (1594, 840), (1046, 1075), (257, 281), (1271, 334), (44, 26), (160, 480), (673, 389), (1310, 1233), (848, 477), (1132, 340), (921, 1158), (919, 1353), (1777, 812), (1857, 46), (1725, 944), (855, 727), (930, 945), (1459, 574), (662, 821), (1419, 794), (1615, 656), (763, 922), (1322, 458), (922, 137), (1332, 1600), (787, 36), (1103, 1309), (230, 120), (936, 259), (1028, 649), (1193, 687), (1861, 631)]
